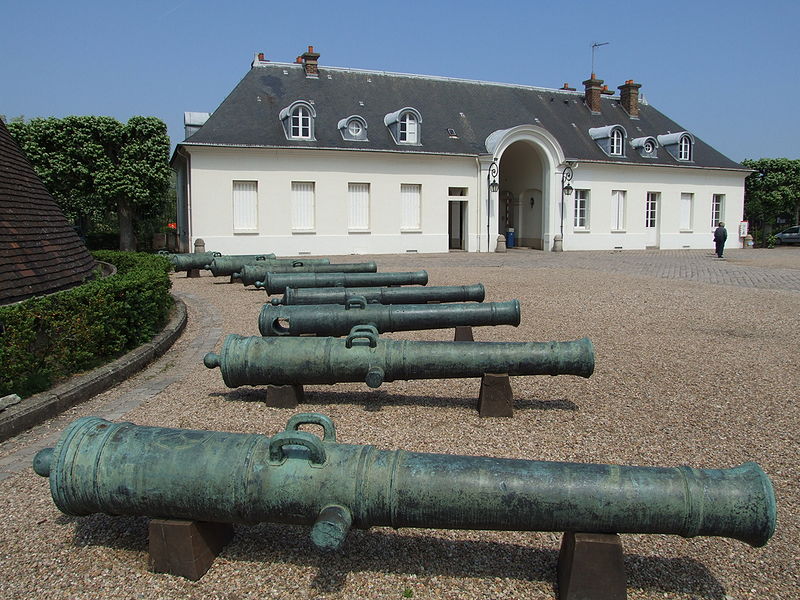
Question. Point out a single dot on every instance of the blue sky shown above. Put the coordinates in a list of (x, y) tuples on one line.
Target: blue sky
[(725, 70)]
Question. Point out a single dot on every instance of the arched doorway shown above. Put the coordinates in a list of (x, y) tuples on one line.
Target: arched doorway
[(521, 207), (528, 157)]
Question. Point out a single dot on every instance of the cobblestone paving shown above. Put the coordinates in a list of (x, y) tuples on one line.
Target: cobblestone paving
[(776, 269)]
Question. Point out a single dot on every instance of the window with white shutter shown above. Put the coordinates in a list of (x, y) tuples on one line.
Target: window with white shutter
[(302, 205), (358, 206), (618, 210), (686, 211), (245, 206), (410, 197)]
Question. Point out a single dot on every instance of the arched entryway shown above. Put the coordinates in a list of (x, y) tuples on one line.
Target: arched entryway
[(528, 157), (522, 210)]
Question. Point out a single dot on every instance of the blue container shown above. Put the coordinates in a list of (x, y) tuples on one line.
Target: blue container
[(511, 238)]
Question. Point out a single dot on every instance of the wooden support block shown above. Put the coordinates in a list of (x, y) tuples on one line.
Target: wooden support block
[(591, 567), (496, 398), (193, 273), (463, 334), (284, 396), (186, 548)]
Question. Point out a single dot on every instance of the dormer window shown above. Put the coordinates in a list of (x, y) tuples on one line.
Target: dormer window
[(353, 128), (680, 145), (404, 125), (611, 139), (685, 148), (408, 128), (647, 146), (617, 139), (298, 120)]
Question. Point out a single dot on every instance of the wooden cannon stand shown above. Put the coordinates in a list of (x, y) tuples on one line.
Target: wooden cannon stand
[(495, 398), (590, 565)]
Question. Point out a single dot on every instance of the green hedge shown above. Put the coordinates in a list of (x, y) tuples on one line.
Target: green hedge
[(46, 339)]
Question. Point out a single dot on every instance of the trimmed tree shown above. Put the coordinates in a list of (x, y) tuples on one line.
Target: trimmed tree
[(94, 166), (772, 191)]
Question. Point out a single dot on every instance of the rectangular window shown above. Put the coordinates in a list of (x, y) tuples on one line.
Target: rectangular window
[(618, 210), (717, 209), (651, 210), (358, 210), (245, 206), (686, 211), (410, 196), (581, 209), (303, 205), (457, 191)]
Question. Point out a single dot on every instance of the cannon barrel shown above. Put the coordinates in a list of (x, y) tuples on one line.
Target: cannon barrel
[(335, 320), (276, 283), (255, 273), (383, 295), (187, 262), (296, 477), (225, 265), (364, 356)]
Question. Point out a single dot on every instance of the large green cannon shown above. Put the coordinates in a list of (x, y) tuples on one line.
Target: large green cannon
[(383, 295), (364, 356), (296, 477), (276, 283), (228, 265), (255, 274), (335, 320), (187, 262)]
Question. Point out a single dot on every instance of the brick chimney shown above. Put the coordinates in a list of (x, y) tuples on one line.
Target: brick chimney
[(629, 97), (591, 97), (310, 60)]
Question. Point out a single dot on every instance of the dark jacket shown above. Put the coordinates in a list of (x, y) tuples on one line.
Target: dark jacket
[(720, 234)]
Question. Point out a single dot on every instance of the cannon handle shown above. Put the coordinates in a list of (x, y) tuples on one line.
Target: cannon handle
[(316, 451), (329, 429)]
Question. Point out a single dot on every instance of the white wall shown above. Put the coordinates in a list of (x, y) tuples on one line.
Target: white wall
[(637, 182), (211, 202)]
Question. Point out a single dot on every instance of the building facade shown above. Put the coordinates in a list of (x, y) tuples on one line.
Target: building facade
[(301, 159)]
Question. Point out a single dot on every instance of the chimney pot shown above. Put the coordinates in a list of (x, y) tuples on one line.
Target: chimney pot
[(310, 60), (592, 90), (629, 97)]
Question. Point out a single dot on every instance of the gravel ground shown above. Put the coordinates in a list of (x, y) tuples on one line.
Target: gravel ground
[(686, 373)]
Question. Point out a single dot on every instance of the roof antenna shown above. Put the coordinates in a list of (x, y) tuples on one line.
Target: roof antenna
[(594, 46)]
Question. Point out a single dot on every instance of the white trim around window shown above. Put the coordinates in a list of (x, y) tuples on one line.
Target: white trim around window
[(410, 206), (687, 208), (303, 199), (618, 201), (581, 212), (245, 206), (717, 209), (358, 206)]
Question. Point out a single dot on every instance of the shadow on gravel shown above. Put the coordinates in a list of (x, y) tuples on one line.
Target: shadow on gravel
[(376, 400), (428, 556), (406, 551)]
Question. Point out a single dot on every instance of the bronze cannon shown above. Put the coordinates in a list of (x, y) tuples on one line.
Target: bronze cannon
[(297, 477), (336, 320)]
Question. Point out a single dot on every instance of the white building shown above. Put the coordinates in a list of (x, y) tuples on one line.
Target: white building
[(300, 159)]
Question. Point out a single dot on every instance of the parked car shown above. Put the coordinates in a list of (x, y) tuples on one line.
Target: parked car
[(788, 236)]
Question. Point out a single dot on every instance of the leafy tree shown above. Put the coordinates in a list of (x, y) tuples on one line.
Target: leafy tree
[(772, 191), (94, 166)]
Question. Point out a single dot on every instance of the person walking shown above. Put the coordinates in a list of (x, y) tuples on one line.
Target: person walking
[(720, 236)]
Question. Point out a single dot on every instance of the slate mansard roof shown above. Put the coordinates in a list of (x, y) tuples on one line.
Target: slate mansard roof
[(249, 116), (40, 252)]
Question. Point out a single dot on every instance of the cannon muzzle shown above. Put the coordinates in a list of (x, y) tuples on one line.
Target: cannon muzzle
[(187, 262), (364, 356), (336, 320), (276, 283), (297, 477), (383, 295)]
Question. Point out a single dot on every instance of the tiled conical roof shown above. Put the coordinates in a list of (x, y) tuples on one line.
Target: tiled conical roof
[(40, 252)]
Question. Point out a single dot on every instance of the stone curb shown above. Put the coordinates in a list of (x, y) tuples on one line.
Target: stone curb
[(39, 407)]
